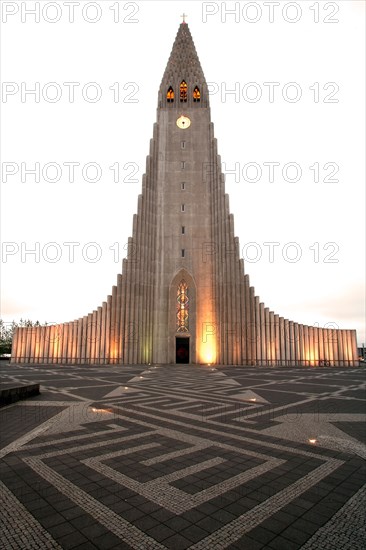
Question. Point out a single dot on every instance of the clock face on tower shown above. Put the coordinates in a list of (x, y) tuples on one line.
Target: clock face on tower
[(183, 122)]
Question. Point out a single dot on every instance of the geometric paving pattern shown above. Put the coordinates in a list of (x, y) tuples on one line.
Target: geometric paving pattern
[(178, 457)]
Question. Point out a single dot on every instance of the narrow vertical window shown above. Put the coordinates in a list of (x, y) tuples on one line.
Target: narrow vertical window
[(182, 307), (183, 144), (183, 165), (183, 230), (183, 91), (182, 186), (183, 208), (183, 253), (170, 95), (196, 94)]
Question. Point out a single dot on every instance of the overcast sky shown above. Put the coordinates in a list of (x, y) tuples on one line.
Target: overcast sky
[(298, 102)]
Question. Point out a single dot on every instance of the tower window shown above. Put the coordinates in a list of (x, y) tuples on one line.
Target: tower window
[(170, 95), (183, 230), (183, 91), (182, 186), (183, 144), (182, 208), (183, 252), (183, 164), (182, 307), (196, 94)]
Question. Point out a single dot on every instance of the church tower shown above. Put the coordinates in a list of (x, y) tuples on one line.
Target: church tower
[(183, 296)]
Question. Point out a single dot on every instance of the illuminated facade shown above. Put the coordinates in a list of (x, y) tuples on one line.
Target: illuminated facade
[(182, 295)]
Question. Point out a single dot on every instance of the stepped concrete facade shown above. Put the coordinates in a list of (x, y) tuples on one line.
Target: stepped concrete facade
[(183, 296)]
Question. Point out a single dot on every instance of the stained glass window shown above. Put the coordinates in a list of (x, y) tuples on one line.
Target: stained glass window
[(183, 91), (196, 94), (182, 307), (170, 95)]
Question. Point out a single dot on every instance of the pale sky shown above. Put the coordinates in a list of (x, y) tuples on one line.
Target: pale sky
[(319, 137)]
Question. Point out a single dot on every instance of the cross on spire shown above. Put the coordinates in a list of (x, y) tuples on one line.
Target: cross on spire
[(184, 15)]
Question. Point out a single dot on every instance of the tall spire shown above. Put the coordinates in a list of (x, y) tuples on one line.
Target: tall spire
[(183, 64)]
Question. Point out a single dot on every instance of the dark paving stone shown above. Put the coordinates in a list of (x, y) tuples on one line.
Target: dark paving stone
[(177, 542), (354, 429), (73, 540), (280, 543), (18, 420), (160, 532), (261, 535), (108, 541), (248, 544), (61, 530)]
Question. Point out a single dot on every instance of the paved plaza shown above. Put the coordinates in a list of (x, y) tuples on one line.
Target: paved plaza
[(181, 456)]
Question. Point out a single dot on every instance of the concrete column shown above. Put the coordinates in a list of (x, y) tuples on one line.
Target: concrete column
[(292, 342), (84, 324), (103, 335), (79, 341), (340, 350), (349, 348), (52, 344), (14, 347), (69, 342), (297, 344), (306, 345), (94, 338), (74, 342), (282, 341), (353, 336), (326, 344), (335, 347), (287, 343), (321, 345), (301, 344), (248, 320), (253, 327), (27, 344), (39, 338), (268, 336), (113, 351), (237, 309), (32, 351), (243, 331), (272, 338), (88, 355), (138, 287), (129, 316), (346, 351), (124, 316), (46, 336), (143, 311), (263, 336), (20, 344), (330, 345), (258, 333), (98, 335), (277, 339), (65, 339), (108, 330), (118, 319), (311, 347)]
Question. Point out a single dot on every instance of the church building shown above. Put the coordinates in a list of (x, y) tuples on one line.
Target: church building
[(183, 295)]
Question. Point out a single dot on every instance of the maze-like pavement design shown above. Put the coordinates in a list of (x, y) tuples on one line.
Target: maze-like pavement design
[(179, 457)]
